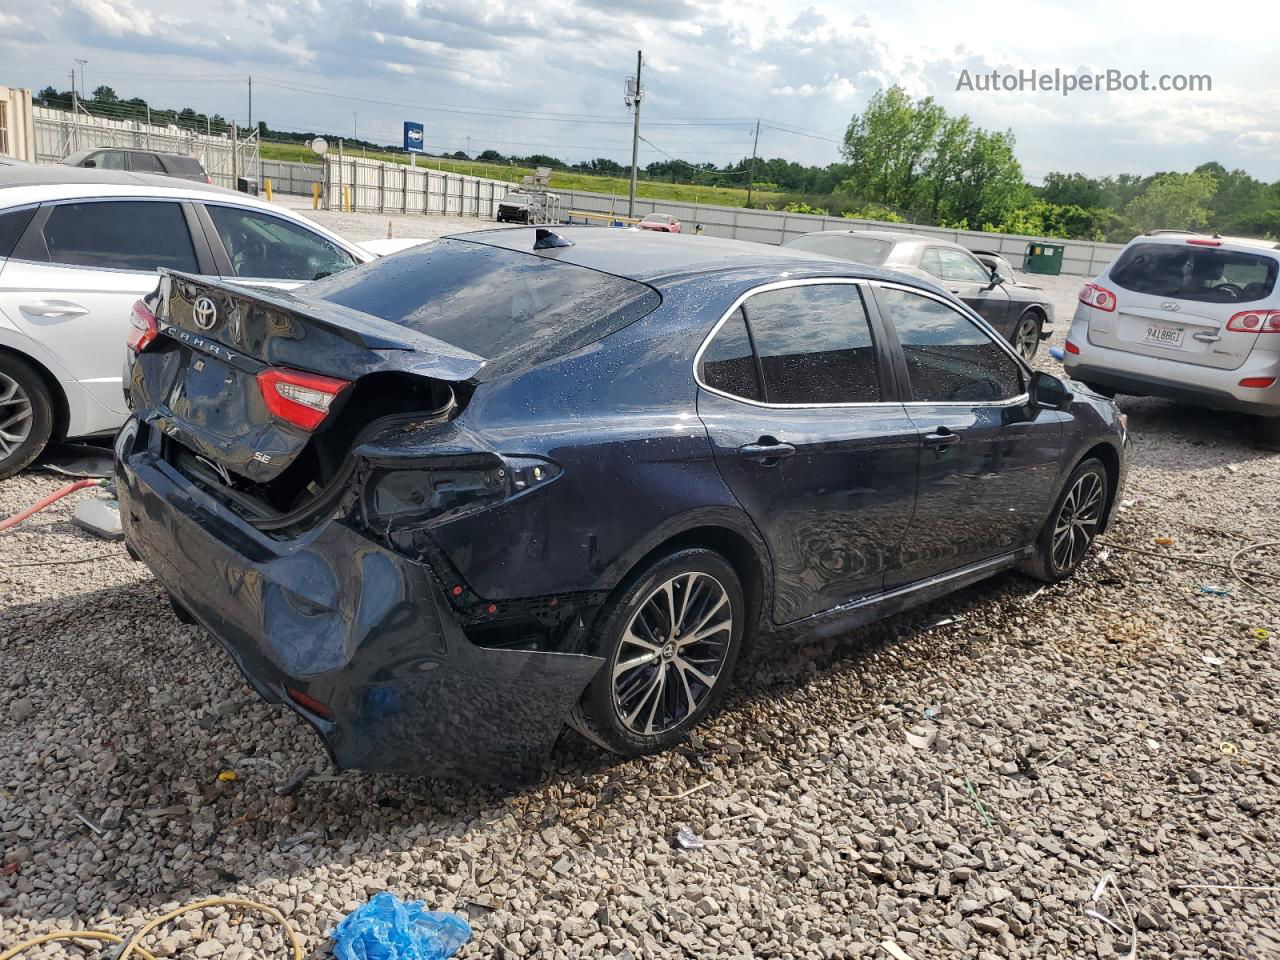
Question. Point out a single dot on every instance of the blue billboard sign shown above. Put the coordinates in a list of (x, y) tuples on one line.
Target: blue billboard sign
[(413, 140)]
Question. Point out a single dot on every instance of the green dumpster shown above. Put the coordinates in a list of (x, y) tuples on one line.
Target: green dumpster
[(1043, 258)]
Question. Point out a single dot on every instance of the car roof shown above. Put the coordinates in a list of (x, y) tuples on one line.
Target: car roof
[(57, 174), (888, 236), (655, 258), (1173, 236), (89, 151)]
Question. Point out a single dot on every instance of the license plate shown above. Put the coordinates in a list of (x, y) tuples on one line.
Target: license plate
[(1164, 336)]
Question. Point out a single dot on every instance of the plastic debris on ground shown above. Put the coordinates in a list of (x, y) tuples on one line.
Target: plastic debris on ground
[(227, 776), (1211, 660), (1213, 589), (1057, 353), (100, 517), (76, 460), (388, 928), (1162, 541), (1094, 910), (922, 737), (1260, 633), (686, 839)]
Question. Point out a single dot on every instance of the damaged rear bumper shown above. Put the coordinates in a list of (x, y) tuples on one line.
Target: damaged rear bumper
[(362, 632)]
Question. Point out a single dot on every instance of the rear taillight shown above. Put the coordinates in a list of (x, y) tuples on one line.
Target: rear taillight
[(1100, 298), (142, 327), (1255, 321), (297, 398), (1072, 348), (1257, 382)]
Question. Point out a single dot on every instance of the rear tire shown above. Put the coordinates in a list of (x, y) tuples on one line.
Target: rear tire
[(26, 415), (655, 684), (1072, 525)]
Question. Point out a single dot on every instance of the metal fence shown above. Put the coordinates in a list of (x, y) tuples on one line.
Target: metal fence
[(1082, 257), (365, 185), (290, 176), (61, 132)]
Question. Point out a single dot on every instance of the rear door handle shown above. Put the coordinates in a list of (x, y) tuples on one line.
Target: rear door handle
[(54, 308), (765, 450), (942, 437)]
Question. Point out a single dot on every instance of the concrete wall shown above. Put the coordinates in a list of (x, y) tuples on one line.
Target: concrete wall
[(17, 132)]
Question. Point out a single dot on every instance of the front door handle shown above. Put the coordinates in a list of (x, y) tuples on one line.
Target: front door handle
[(940, 438), (54, 308), (766, 450)]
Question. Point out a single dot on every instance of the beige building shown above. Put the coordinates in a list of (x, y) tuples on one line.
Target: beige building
[(17, 132)]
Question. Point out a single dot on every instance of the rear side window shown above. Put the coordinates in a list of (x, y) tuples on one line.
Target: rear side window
[(814, 345), (1189, 272), (728, 363), (109, 160), (515, 309), (845, 246), (949, 359), (268, 248), (184, 166), (12, 223), (117, 235), (145, 163)]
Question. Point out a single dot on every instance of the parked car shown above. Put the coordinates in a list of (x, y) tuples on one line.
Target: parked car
[(1023, 314), (77, 249), (139, 161), (996, 263), (517, 478), (660, 222), (1188, 317), (517, 207)]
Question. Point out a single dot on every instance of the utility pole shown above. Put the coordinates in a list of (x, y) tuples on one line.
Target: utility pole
[(251, 126), (635, 137), (83, 92), (75, 115), (751, 174)]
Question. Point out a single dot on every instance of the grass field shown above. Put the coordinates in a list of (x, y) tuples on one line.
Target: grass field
[(564, 180)]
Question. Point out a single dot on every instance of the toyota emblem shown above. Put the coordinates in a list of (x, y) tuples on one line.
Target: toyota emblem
[(205, 313)]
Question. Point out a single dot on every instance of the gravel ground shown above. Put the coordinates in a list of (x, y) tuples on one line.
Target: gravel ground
[(1122, 723)]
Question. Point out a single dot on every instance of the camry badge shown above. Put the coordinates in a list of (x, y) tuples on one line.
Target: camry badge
[(205, 313)]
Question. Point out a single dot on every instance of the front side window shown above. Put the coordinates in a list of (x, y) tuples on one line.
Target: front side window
[(116, 235), (109, 160), (269, 248), (949, 359), (812, 344), (958, 265)]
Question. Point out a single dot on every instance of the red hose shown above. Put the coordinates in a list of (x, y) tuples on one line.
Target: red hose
[(57, 495)]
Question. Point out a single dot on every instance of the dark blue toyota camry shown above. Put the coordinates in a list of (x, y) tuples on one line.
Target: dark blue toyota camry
[(443, 504)]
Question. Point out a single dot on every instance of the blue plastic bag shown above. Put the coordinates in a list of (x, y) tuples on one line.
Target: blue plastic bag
[(387, 928)]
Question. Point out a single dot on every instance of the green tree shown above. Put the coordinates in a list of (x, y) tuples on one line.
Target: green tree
[(1173, 201), (104, 94)]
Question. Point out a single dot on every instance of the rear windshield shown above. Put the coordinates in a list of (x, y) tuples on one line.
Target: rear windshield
[(846, 246), (1189, 272), (187, 166), (512, 308)]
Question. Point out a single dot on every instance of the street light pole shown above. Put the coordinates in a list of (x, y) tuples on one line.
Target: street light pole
[(635, 138)]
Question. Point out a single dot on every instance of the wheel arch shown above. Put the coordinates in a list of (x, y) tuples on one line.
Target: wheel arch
[(61, 408), (1109, 456)]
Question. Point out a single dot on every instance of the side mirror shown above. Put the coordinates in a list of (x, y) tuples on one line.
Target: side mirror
[(1048, 391), (996, 278)]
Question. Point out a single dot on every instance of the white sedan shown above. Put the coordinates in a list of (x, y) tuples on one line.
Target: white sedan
[(79, 247)]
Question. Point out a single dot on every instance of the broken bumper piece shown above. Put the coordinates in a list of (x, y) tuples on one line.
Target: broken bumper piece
[(355, 638)]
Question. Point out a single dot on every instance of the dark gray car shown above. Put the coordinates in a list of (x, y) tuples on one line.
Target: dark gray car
[(1019, 312), (139, 161)]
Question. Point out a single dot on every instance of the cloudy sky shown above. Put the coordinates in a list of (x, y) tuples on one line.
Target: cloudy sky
[(547, 75)]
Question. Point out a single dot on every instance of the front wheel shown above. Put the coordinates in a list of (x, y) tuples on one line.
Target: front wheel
[(670, 641), (1026, 337), (1073, 524), (26, 415)]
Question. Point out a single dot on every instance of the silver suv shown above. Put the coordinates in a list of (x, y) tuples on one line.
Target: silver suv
[(1189, 317)]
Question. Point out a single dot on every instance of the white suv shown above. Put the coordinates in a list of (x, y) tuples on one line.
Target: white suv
[(1189, 317)]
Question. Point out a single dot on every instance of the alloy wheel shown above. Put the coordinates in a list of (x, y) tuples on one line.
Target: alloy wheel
[(1027, 340), (1077, 521), (672, 653), (15, 415)]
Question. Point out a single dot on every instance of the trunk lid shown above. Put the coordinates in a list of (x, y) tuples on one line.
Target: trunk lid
[(221, 346)]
